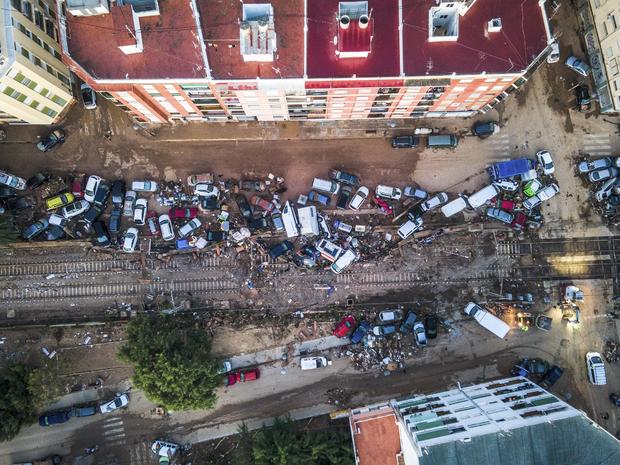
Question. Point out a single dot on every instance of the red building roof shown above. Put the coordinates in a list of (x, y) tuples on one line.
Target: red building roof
[(376, 437), (521, 38), (323, 25), (171, 46), (220, 25)]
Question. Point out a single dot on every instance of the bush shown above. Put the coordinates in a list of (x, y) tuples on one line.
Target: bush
[(172, 362), (24, 390)]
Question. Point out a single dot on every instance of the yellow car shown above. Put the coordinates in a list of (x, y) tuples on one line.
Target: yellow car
[(59, 200)]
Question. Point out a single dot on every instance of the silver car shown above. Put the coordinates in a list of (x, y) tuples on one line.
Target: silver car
[(542, 195), (76, 208), (130, 198), (139, 212), (599, 163), (434, 202), (165, 225), (602, 175), (13, 181), (190, 226)]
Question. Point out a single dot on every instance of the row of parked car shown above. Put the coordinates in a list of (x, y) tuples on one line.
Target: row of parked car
[(53, 418), (604, 175)]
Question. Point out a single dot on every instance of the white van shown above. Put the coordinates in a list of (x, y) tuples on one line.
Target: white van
[(308, 221), (331, 187), (290, 220), (455, 206), (487, 320), (310, 363), (596, 369), (482, 196), (344, 261), (328, 250)]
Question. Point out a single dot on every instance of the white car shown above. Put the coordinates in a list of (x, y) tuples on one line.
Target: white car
[(13, 181), (606, 190), (542, 195), (144, 186), (76, 208), (601, 175), (388, 192), (434, 202), (596, 369), (389, 316), (507, 185), (88, 97), (165, 226), (139, 212), (56, 219), (311, 363), (115, 404), (206, 190), (359, 198), (131, 240), (91, 188), (190, 226), (554, 54), (409, 227), (420, 334), (546, 162), (165, 448)]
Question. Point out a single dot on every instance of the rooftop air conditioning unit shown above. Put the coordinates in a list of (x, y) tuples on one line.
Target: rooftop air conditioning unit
[(495, 25)]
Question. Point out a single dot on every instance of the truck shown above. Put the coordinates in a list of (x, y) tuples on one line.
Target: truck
[(487, 320), (510, 168)]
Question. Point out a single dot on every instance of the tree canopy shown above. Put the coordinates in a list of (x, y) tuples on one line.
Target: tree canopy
[(24, 391), (172, 361), (284, 444)]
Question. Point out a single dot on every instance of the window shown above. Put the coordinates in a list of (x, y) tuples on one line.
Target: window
[(58, 101), (38, 19), (614, 22), (27, 10), (613, 67), (25, 53), (37, 41), (17, 4), (49, 112), (605, 30), (64, 79), (49, 29), (609, 52)]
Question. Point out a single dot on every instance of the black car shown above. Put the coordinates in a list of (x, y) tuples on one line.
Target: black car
[(244, 206), (344, 197), (258, 224), (114, 223), (215, 236), (101, 237), (83, 411), (118, 192), (54, 232), (615, 399), (210, 203), (55, 418), (19, 203), (102, 194), (430, 323), (405, 142), (37, 180), (280, 249), (552, 376), (582, 94), (92, 213), (7, 193), (56, 137), (484, 129)]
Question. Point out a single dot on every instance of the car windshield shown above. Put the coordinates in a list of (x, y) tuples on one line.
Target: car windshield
[(118, 402), (596, 360)]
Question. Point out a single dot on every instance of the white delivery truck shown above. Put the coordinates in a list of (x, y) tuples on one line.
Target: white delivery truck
[(488, 320)]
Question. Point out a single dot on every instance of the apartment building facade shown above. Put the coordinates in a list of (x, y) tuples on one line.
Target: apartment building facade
[(231, 60), (35, 85), (600, 20), (507, 421)]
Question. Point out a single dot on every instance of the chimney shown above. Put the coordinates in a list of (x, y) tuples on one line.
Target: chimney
[(344, 22), (363, 21), (495, 25)]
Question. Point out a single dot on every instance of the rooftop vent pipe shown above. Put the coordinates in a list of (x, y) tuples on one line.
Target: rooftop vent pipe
[(345, 21)]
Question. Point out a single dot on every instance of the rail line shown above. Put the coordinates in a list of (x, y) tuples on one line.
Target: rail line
[(606, 245)]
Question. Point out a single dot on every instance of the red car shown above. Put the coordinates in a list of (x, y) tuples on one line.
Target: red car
[(519, 221), (183, 212), (242, 376), (383, 206), (507, 205), (77, 188), (344, 328), (262, 203)]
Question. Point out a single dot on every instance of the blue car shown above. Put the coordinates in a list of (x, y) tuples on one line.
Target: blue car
[(183, 244), (407, 325), (55, 418), (360, 332), (314, 196), (383, 330)]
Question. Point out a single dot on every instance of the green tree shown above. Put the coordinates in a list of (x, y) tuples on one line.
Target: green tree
[(24, 390), (172, 361), (283, 444)]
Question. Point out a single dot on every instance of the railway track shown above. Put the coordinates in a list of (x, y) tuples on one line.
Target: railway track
[(563, 246)]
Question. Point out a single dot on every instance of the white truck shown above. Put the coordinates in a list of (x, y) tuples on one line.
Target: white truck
[(488, 320)]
